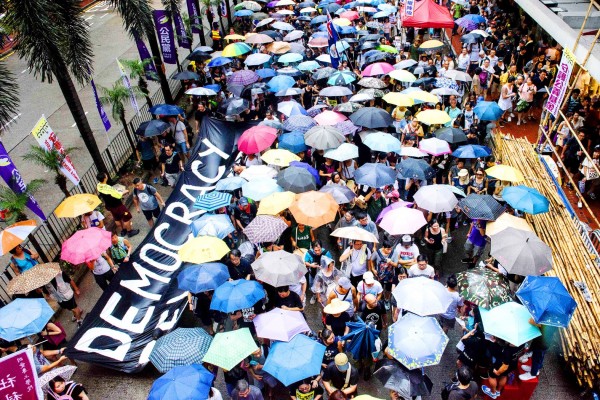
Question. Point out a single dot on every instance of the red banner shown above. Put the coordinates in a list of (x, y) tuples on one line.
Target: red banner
[(18, 378)]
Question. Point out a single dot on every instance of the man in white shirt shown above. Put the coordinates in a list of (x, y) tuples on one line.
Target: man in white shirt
[(369, 286), (406, 252), (421, 268), (356, 256)]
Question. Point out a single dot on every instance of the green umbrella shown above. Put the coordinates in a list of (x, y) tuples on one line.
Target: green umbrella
[(228, 349), (509, 322), (483, 287)]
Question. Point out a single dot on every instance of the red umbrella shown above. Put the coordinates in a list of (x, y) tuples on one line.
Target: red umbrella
[(257, 139)]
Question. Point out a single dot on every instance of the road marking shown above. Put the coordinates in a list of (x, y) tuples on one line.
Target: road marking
[(10, 121), (25, 70), (103, 16), (90, 24), (90, 17), (75, 124)]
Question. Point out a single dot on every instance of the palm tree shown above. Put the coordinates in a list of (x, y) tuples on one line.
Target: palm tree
[(9, 99), (51, 160), (15, 203), (116, 97), (53, 37), (137, 70), (206, 6)]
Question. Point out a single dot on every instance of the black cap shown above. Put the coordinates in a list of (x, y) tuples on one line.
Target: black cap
[(500, 59)]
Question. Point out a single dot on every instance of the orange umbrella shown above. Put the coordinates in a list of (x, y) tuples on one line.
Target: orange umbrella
[(278, 47), (314, 208), (15, 234)]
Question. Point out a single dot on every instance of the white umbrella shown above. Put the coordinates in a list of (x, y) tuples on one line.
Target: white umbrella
[(279, 268), (258, 172), (411, 152), (403, 221), (324, 58), (257, 59), (434, 146), (345, 151), (282, 26), (422, 296), (264, 22), (355, 233), (458, 75), (436, 198), (200, 91), (361, 97), (293, 35)]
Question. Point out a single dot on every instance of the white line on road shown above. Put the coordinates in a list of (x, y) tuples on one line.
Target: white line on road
[(25, 70), (90, 24), (90, 17), (103, 16), (11, 121), (73, 126)]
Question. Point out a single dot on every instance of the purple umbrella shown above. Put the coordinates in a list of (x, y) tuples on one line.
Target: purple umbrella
[(316, 110), (393, 206), (243, 78), (307, 167), (347, 127), (281, 325), (272, 4)]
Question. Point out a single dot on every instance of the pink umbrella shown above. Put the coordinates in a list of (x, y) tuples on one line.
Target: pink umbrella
[(435, 146), (403, 221), (393, 206), (318, 42), (379, 68), (257, 139), (330, 118), (351, 15), (85, 245), (279, 324)]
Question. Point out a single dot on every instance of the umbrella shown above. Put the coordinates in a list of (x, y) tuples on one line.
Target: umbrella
[(281, 82), (203, 249), (411, 152), (472, 151), (278, 268), (509, 322), (265, 228), (65, 372), (521, 252), (483, 287), (371, 117), (402, 221), (314, 208), (347, 127), (375, 175), (348, 107), (289, 92), (402, 76), (334, 91), (451, 135), (219, 62), (328, 118), (301, 123), (343, 152), (323, 137), (421, 96), (151, 128), (434, 146), (243, 77), (405, 64), (324, 73), (525, 199), (470, 39), (374, 83), (341, 78), (24, 317), (181, 383), (257, 189), (236, 49), (257, 172), (547, 300), (422, 296), (318, 20), (15, 234), (257, 139), (415, 169), (355, 233), (282, 26), (280, 325), (417, 341), (241, 13), (230, 184), (258, 58), (166, 109), (293, 35), (275, 203), (505, 221), (295, 360), (234, 106), (379, 68), (186, 76), (229, 348), (85, 245), (293, 141), (259, 38), (458, 75), (289, 108), (360, 341), (392, 206), (341, 194), (436, 198), (488, 111), (199, 55), (383, 142), (308, 66), (236, 295), (478, 206), (433, 117), (296, 180), (406, 383), (277, 47), (506, 173), (33, 278), (398, 99), (183, 346), (431, 45), (212, 201), (279, 157), (202, 277), (290, 58), (265, 22)]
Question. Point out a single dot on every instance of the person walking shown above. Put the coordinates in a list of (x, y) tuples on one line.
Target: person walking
[(147, 199), (103, 269), (120, 249), (171, 165), (113, 202)]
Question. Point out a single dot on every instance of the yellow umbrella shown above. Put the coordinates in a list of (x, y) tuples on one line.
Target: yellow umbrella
[(314, 208), (275, 203), (432, 117), (505, 173), (398, 99), (402, 75), (507, 221), (341, 21), (424, 97), (278, 47), (431, 45), (279, 157), (235, 36), (76, 205), (203, 249)]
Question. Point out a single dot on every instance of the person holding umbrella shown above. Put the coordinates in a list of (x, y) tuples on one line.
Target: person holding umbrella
[(103, 269), (63, 289), (306, 390), (22, 259), (475, 243), (113, 202), (333, 345), (356, 256), (327, 275)]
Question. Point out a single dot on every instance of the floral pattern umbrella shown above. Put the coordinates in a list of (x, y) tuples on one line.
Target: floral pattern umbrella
[(483, 287), (265, 228)]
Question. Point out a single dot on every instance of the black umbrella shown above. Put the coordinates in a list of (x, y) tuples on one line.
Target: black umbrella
[(151, 128), (198, 55), (379, 57), (406, 383), (323, 73), (273, 34), (371, 117), (423, 81), (451, 135), (370, 38), (234, 106), (367, 45), (186, 76), (484, 207), (413, 168), (296, 180), (470, 38)]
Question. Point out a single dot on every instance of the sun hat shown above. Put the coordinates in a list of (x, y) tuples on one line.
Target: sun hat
[(336, 306), (341, 362), (463, 172)]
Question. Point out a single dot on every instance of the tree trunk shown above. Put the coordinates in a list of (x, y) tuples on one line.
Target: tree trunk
[(72, 98), (200, 22), (61, 181), (164, 84), (143, 85), (126, 127)]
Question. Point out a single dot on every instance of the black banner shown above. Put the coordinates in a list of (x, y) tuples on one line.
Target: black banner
[(143, 296)]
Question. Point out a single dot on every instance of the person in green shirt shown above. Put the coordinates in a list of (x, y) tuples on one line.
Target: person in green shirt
[(375, 203), (302, 236)]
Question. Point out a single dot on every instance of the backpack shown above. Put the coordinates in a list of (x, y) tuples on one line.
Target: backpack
[(449, 387)]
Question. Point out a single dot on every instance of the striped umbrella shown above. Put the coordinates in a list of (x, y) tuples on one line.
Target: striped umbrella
[(347, 127), (183, 346), (15, 234), (236, 49), (265, 228), (243, 77), (341, 78), (212, 201)]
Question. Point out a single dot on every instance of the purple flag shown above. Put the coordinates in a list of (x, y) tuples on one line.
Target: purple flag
[(182, 38), (193, 13), (151, 72), (13, 179), (100, 108), (166, 39)]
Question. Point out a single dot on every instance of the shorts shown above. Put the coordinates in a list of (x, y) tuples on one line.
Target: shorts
[(150, 164), (120, 213), (386, 286), (151, 213), (68, 304), (181, 147), (171, 179), (446, 322), (473, 251)]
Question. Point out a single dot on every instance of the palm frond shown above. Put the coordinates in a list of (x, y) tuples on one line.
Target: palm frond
[(16, 203), (48, 159), (172, 6), (116, 96), (9, 96), (137, 70)]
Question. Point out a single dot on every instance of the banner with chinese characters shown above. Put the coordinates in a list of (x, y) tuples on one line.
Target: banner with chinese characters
[(18, 378), (182, 37), (561, 83), (194, 16), (47, 139), (150, 68), (166, 38), (409, 8), (127, 84), (100, 107)]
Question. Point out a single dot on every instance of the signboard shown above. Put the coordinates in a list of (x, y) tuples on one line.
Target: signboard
[(561, 83), (18, 377), (166, 38)]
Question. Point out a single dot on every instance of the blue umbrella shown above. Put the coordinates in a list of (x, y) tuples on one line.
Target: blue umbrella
[(182, 383), (230, 184), (295, 360), (472, 151), (372, 118), (151, 128), (547, 300), (384, 142), (202, 277), (301, 123), (346, 30), (375, 175), (217, 225), (296, 180), (525, 199), (361, 339), (215, 87), (281, 82), (24, 317), (293, 141), (341, 78), (289, 108), (166, 109), (266, 73), (488, 111), (381, 14), (318, 20), (308, 66), (183, 346), (235, 295), (290, 58), (243, 13), (258, 189), (212, 201), (307, 167), (219, 62), (412, 168)]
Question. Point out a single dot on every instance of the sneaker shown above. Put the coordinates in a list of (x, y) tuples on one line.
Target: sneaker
[(155, 180), (518, 123), (133, 232), (466, 260), (525, 357), (509, 118), (449, 239), (487, 391), (512, 115), (313, 300), (387, 305), (526, 368), (527, 376)]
